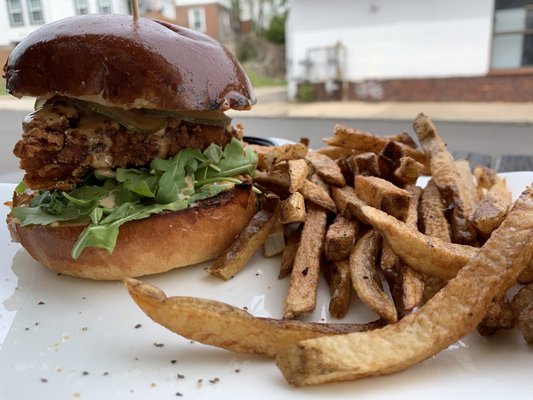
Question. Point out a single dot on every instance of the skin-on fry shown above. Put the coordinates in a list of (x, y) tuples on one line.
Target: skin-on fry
[(275, 241), (402, 137), (425, 254), (326, 168), (525, 323), (285, 152), (492, 209), (298, 171), (522, 299), (340, 238), (365, 277), (316, 194), (293, 209), (468, 182), (448, 316), (526, 276), (408, 171), (289, 253), (336, 152), (338, 278), (499, 316), (234, 258), (432, 213), (382, 194), (218, 324), (344, 136), (485, 178), (365, 164), (447, 179), (302, 293), (405, 285)]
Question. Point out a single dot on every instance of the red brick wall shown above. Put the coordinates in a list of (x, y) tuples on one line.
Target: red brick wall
[(211, 18), (509, 87)]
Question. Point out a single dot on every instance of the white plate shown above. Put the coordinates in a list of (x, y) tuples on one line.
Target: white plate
[(65, 338)]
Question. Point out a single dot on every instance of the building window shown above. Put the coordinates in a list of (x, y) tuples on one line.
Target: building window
[(35, 11), (14, 9), (81, 7), (197, 19), (512, 43), (104, 6)]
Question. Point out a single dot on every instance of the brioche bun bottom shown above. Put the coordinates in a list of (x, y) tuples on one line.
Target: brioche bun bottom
[(152, 245)]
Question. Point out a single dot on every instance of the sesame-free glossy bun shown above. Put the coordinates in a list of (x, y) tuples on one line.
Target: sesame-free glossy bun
[(116, 61), (147, 246)]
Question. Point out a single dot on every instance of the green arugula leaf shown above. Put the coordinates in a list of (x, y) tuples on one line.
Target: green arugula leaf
[(108, 201)]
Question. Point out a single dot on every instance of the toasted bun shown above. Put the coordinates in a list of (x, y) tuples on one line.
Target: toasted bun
[(116, 61), (148, 246)]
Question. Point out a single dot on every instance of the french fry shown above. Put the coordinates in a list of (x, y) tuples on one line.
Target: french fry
[(526, 276), (447, 179), (469, 183), (402, 137), (485, 179), (525, 323), (365, 164), (338, 277), (336, 152), (285, 152), (289, 253), (492, 208), (365, 278), (425, 254), (382, 194), (361, 141), (218, 324), (293, 209), (302, 293), (432, 213), (275, 241), (298, 171), (408, 171), (448, 316), (522, 305), (340, 238), (499, 316), (522, 299), (389, 161), (233, 259), (326, 168), (317, 195)]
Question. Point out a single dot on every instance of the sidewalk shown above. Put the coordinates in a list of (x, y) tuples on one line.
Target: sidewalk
[(272, 103)]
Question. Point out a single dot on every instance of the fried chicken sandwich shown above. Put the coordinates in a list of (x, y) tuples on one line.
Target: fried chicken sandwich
[(131, 166)]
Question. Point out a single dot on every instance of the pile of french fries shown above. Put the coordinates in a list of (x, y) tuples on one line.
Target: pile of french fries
[(432, 262)]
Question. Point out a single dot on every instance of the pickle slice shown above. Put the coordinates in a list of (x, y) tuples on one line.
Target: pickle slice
[(213, 117)]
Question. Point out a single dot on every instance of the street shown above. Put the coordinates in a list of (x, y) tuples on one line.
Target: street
[(492, 139)]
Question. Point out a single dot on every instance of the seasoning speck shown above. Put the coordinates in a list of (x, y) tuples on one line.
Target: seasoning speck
[(84, 328), (158, 344), (40, 303), (153, 384), (173, 361), (237, 370), (85, 373), (181, 376), (214, 380), (105, 373), (179, 394), (44, 380), (138, 326)]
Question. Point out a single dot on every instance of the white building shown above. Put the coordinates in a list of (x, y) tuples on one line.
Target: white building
[(361, 40), (20, 17)]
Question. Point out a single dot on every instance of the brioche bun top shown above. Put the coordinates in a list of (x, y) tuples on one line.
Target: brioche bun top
[(116, 61)]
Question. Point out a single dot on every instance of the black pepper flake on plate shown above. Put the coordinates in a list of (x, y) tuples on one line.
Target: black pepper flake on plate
[(138, 326), (159, 344), (41, 303), (214, 380), (173, 361), (180, 376), (105, 373), (179, 394), (237, 370), (44, 380), (85, 373)]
